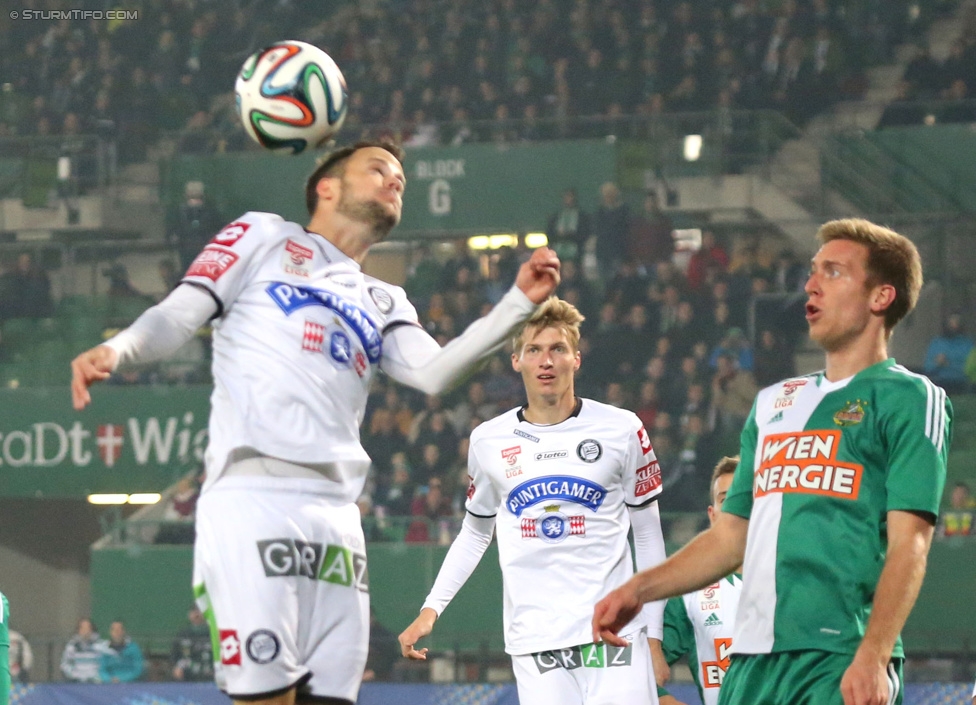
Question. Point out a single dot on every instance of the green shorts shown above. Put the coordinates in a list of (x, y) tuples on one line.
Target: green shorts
[(795, 678)]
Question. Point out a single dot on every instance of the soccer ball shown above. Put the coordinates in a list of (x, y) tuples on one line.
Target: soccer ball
[(291, 95)]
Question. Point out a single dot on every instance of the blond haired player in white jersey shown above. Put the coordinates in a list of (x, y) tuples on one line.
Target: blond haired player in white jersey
[(561, 480), (700, 623), (299, 331), (832, 508)]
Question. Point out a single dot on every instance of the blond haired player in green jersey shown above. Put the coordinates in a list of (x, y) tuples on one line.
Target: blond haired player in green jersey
[(833, 505)]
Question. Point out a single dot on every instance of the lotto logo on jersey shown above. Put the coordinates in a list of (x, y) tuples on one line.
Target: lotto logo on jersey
[(230, 648), (806, 463), (470, 488), (212, 263), (231, 233), (644, 440), (648, 479)]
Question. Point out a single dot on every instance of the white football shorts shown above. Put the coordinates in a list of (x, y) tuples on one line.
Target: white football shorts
[(281, 575), (589, 674)]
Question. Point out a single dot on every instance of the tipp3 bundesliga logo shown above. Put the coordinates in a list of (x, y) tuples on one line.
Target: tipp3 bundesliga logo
[(283, 558)]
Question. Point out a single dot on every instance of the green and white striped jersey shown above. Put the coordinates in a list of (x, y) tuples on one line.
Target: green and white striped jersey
[(700, 625), (822, 464), (4, 650)]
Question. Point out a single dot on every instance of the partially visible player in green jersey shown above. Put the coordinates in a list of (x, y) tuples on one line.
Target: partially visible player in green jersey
[(833, 505), (4, 650), (699, 625)]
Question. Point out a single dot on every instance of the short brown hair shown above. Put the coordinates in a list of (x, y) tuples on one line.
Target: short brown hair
[(892, 259), (553, 313), (334, 164), (726, 466)]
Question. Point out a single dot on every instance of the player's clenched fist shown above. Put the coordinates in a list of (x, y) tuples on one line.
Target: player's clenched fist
[(614, 612), (91, 366), (420, 628), (539, 276)]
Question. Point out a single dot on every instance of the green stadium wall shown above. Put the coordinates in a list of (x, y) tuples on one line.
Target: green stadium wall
[(905, 169), (149, 588), (466, 189)]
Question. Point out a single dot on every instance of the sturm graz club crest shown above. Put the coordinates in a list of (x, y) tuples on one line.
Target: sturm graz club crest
[(263, 646), (553, 526), (589, 451)]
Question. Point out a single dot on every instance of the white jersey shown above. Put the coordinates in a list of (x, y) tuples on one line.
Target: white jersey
[(297, 336), (559, 493), (700, 624)]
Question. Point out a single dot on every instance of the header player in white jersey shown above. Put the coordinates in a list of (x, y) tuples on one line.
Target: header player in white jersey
[(562, 480), (700, 623), (832, 509), (299, 331)]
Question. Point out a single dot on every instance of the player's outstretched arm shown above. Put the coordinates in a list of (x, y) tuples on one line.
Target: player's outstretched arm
[(711, 555), (418, 629), (94, 365), (909, 537), (412, 357), (157, 333)]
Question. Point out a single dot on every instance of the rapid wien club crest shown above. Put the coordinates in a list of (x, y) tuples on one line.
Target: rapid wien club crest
[(851, 414), (553, 526)]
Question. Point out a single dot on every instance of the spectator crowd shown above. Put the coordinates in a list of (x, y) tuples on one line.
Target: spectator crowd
[(410, 65)]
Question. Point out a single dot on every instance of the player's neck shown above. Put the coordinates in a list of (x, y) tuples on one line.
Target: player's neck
[(858, 355), (546, 410), (351, 238)]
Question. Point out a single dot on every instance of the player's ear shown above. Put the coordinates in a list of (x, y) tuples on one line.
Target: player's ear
[(516, 363), (884, 295), (577, 361), (327, 188)]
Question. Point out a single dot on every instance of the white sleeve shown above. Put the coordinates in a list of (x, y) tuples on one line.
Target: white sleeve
[(649, 552), (412, 357), (460, 561), (166, 327)]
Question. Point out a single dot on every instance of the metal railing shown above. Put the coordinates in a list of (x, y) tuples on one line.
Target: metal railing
[(678, 527)]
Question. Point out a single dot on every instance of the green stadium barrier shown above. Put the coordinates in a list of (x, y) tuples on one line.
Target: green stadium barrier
[(149, 587)]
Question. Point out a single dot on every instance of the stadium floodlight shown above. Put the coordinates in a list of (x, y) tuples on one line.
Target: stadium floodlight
[(693, 147), (108, 498), (503, 240), (145, 498), (534, 240), (493, 241)]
